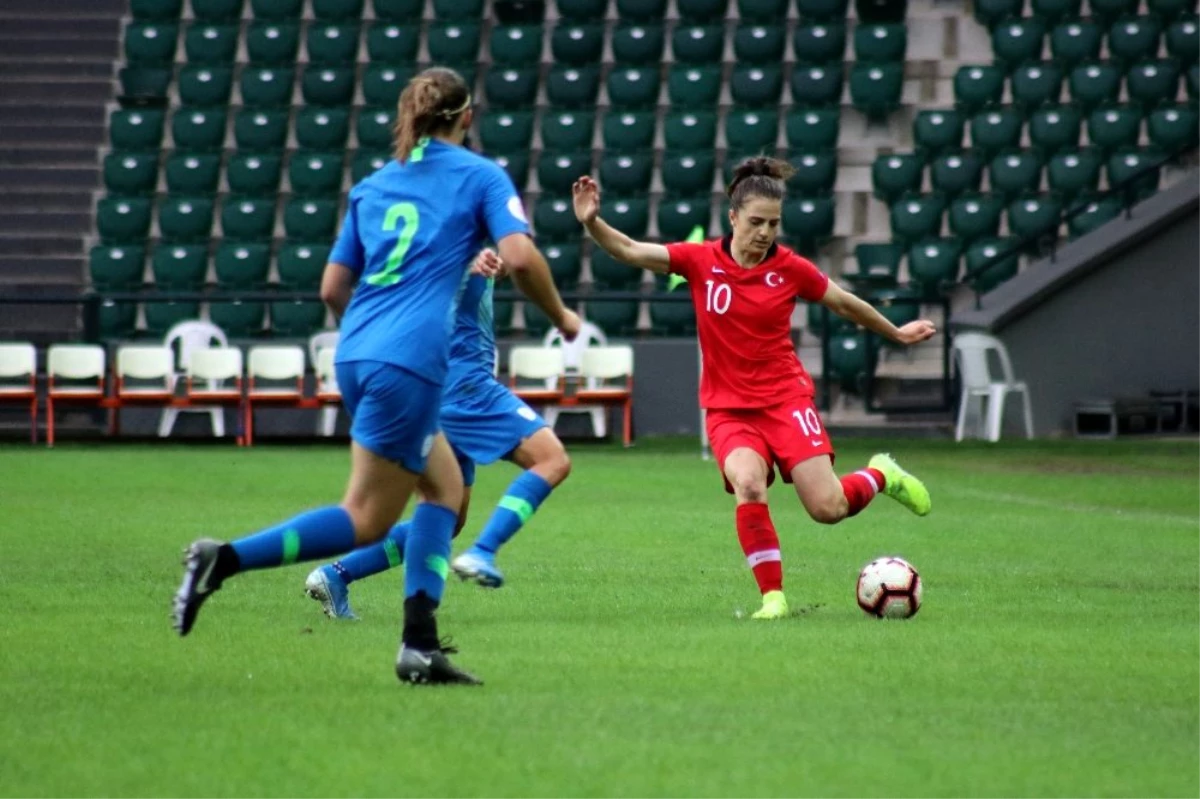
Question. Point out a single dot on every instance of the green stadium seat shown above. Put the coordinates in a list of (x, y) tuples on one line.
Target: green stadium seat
[(310, 218), (614, 317), (1114, 127), (688, 173), (1015, 173), (516, 165), (812, 128), (237, 318), (1172, 127), (763, 10), (367, 162), (933, 264), (672, 317), (327, 85), (633, 87), (253, 173), (694, 86), (458, 9), (1170, 9), (819, 42), (1074, 173), (1153, 82), (337, 9), (329, 43), (136, 128), (269, 42), (755, 43), (698, 44), (130, 174), (453, 42), (374, 127), (756, 85), (116, 268), (989, 12), (509, 87), (315, 172), (393, 43), (123, 220), (300, 265), (815, 314), (210, 44), (1054, 11), (145, 85), (880, 43), (565, 263), (1133, 39), (878, 266), (260, 129), (974, 216), (1096, 211), (1036, 216), (1001, 267), (895, 175), (702, 10), (754, 128), (204, 85), (638, 43), (571, 86), (875, 88), (1017, 40), (180, 267), (678, 217), (217, 10), (824, 10), (162, 316), (609, 273), (642, 10), (577, 43), (1193, 83), (117, 319), (629, 215), (248, 218), (554, 218), (1075, 41), (1093, 84), (185, 219), (502, 316), (198, 128), (815, 172), (1055, 127), (895, 306), (513, 44), (557, 171), (297, 319), (690, 130), (624, 130), (159, 10), (996, 129), (192, 173), (1183, 40), (322, 128), (808, 223), (276, 9), (150, 43), (953, 173), (1123, 166), (242, 265), (977, 86), (266, 86), (499, 132), (1108, 10), (1036, 84), (937, 131), (383, 83), (626, 173), (917, 217)]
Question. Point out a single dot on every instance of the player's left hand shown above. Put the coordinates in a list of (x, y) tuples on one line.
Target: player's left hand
[(916, 332), (569, 325), (489, 264)]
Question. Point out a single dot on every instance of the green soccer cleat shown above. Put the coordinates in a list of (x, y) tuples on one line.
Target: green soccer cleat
[(902, 486), (774, 607)]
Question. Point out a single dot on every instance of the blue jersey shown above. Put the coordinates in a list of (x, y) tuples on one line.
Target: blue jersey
[(473, 342), (410, 233)]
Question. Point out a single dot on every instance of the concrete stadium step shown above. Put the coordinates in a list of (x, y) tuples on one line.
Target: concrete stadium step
[(21, 321), (18, 133), (60, 246), (14, 200), (67, 177), (74, 26), (38, 47), (38, 222), (40, 68), (23, 92), (60, 270), (24, 9), (58, 114), (17, 155)]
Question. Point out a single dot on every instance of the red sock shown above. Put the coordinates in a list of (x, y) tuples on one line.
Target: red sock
[(861, 487), (760, 542)]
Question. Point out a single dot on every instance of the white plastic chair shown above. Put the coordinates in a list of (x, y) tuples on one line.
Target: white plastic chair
[(191, 336), (73, 362), (589, 334), (18, 379), (979, 386), (601, 365), (153, 367), (214, 378), (535, 374), (318, 342), (282, 367)]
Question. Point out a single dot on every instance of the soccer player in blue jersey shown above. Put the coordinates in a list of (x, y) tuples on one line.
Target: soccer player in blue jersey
[(483, 422), (394, 275)]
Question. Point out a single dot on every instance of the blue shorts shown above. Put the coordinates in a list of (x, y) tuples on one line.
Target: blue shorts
[(484, 423), (394, 412)]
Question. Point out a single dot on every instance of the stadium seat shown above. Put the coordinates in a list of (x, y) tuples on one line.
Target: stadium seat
[(1071, 173), (315, 172), (217, 10), (1000, 267), (248, 218), (558, 170), (297, 319), (565, 264), (672, 317), (823, 10), (996, 129), (1108, 10), (185, 219), (815, 173), (756, 85), (812, 128), (736, 155), (198, 128), (146, 85), (690, 130), (752, 128), (1035, 216), (329, 43), (1114, 127), (577, 44), (1094, 83), (300, 265), (382, 83), (917, 217), (989, 12), (1054, 11), (373, 128), (893, 176), (512, 44), (1172, 127), (630, 215), (322, 128), (266, 86), (210, 44), (116, 268), (642, 10), (537, 324), (499, 132), (123, 220), (819, 43), (875, 88), (933, 264), (1015, 173), (953, 173), (880, 43), (310, 219), (762, 10), (458, 9), (755, 43), (637, 43), (815, 313), (1123, 166), (393, 43), (150, 43), (614, 317), (162, 316), (1170, 9), (1153, 82), (702, 10), (571, 86), (974, 216), (502, 316), (625, 131), (609, 273), (160, 10), (977, 86), (1036, 84), (254, 174), (688, 173), (878, 265), (180, 267), (367, 162), (337, 9), (260, 129), (1096, 211), (511, 88), (1193, 83), (938, 130), (678, 217), (129, 174), (626, 173), (1053, 128), (327, 85), (1183, 40), (277, 9), (1132, 39), (694, 86), (698, 44), (241, 265), (269, 42), (237, 318), (807, 223), (633, 87), (117, 319), (1018, 40), (136, 128), (516, 165), (453, 42), (1075, 41), (554, 218), (192, 173)]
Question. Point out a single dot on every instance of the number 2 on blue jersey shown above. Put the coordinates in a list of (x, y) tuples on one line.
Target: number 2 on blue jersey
[(390, 275)]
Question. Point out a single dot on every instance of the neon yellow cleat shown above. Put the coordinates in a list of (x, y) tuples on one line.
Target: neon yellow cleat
[(774, 607), (902, 486)]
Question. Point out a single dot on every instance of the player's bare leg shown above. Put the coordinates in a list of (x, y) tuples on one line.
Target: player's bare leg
[(829, 498), (747, 474)]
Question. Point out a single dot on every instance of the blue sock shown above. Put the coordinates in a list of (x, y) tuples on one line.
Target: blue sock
[(523, 497), (313, 535), (427, 550), (376, 558)]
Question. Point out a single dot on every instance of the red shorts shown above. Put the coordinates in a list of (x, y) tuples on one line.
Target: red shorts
[(783, 435)]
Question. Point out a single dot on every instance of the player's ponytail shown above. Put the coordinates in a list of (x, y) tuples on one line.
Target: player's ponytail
[(429, 104), (758, 177)]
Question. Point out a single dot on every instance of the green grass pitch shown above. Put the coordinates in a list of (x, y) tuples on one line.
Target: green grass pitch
[(1056, 654)]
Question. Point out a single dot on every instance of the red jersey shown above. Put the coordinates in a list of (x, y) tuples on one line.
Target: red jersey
[(744, 321)]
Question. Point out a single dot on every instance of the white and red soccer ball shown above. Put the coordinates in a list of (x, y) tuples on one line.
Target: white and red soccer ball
[(889, 588)]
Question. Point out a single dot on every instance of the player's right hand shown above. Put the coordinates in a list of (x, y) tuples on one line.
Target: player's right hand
[(916, 332), (586, 195), (489, 264), (569, 325)]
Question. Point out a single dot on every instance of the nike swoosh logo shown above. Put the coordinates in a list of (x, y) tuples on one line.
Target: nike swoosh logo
[(202, 579), (815, 443), (718, 271), (424, 659)]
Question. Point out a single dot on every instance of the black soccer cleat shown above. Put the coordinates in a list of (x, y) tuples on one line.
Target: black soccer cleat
[(430, 667), (199, 583)]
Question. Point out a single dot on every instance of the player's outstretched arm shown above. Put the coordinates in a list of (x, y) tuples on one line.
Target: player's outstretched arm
[(848, 306), (337, 284), (642, 254), (531, 275)]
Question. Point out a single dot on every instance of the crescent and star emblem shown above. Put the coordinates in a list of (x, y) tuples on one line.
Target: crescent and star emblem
[(774, 280)]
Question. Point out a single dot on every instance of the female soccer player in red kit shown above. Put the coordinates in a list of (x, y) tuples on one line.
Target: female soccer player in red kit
[(757, 394)]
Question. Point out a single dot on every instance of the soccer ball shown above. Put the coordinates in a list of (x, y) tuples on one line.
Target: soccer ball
[(889, 588)]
